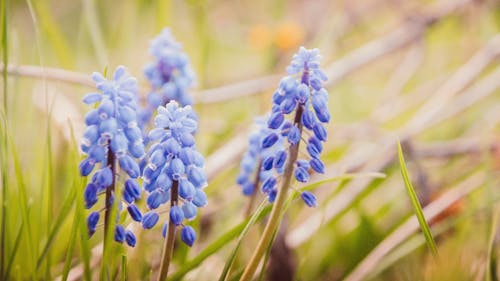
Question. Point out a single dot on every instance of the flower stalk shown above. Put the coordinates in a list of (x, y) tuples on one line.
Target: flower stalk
[(274, 218), (168, 245)]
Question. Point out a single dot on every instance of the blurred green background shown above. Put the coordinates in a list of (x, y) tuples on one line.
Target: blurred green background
[(426, 72)]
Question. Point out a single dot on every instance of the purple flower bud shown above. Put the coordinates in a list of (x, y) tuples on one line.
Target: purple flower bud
[(317, 165), (267, 164), (132, 187), (316, 84), (92, 221), (312, 150), (119, 233), (119, 144), (294, 135), (189, 210), (200, 198), (309, 199), (130, 238), (197, 177), (129, 166), (269, 140), (187, 139), (272, 195), (149, 219), (164, 229), (92, 117), (103, 177), (321, 108), (288, 105), (127, 115), (278, 98), (90, 195), (133, 134), (286, 128), (301, 174), (176, 169), (303, 93), (86, 167), (320, 132), (91, 98), (280, 159), (268, 184), (303, 163), (176, 215), (134, 212), (188, 236), (276, 120), (105, 109), (186, 189), (172, 147), (308, 119)]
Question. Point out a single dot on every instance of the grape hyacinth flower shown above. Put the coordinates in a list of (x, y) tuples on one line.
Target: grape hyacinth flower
[(301, 93), (174, 174), (112, 142), (253, 169), (170, 74)]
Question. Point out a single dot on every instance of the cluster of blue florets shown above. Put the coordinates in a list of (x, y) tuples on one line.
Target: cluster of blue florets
[(170, 74), (174, 160), (252, 163), (301, 93), (112, 135)]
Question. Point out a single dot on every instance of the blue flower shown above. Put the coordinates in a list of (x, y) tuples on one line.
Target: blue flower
[(112, 143), (174, 172), (170, 75), (188, 235), (301, 93), (263, 156)]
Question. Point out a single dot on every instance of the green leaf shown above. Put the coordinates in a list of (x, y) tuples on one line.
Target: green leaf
[(220, 242), (14, 250), (416, 204), (23, 204), (251, 221), (63, 213), (71, 244), (124, 268), (225, 238), (491, 270)]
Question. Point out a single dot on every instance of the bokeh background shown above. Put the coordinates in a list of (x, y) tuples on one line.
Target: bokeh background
[(424, 72)]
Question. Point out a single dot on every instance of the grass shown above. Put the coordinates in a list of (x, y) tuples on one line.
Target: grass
[(361, 202), (416, 203)]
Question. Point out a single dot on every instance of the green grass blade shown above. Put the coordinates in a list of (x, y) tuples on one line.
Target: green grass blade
[(232, 257), (12, 257), (219, 243), (23, 204), (416, 204), (4, 149), (124, 268), (491, 263), (84, 242), (231, 234), (71, 245), (63, 214), (84, 237)]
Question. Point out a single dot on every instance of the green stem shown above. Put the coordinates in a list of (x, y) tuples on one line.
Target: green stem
[(168, 246), (274, 218)]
